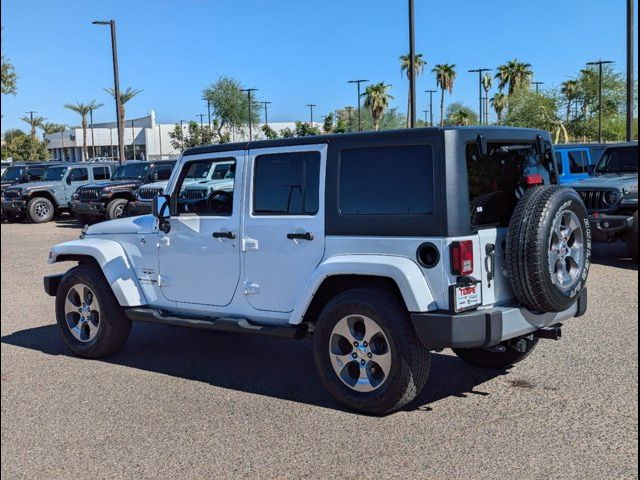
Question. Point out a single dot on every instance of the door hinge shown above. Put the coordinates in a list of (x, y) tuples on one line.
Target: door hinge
[(249, 244), (163, 281), (164, 242), (251, 288)]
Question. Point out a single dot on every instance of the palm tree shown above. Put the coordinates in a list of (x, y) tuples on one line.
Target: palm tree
[(49, 128), (376, 99), (125, 96), (570, 91), (487, 83), (83, 110), (445, 77), (405, 67), (499, 103), (517, 75), (34, 122), (460, 117)]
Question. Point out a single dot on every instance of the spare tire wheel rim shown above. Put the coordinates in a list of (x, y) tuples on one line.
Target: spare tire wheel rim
[(566, 250), (360, 353)]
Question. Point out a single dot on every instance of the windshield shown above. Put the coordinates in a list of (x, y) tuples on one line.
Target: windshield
[(198, 170), (54, 173), (12, 173), (618, 160), (133, 171)]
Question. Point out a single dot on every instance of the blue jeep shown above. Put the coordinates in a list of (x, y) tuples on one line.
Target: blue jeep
[(577, 160)]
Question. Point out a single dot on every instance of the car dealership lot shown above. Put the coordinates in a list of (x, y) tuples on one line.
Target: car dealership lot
[(188, 403)]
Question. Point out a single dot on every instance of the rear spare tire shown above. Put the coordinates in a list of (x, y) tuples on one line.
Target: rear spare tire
[(548, 248)]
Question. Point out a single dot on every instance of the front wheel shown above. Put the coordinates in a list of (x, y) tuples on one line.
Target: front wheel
[(90, 319), (367, 354), (40, 210), (117, 208), (496, 358)]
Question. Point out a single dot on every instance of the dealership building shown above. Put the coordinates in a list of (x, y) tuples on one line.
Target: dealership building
[(144, 138)]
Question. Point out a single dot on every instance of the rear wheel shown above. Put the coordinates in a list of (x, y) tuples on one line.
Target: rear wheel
[(498, 357), (90, 319), (367, 354), (40, 210), (117, 208), (632, 239)]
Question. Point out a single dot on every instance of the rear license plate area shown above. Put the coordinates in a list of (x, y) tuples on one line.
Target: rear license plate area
[(465, 295)]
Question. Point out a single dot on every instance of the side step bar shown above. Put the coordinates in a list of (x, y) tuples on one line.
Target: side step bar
[(242, 325)]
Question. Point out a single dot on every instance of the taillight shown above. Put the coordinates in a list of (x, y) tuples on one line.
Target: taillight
[(462, 257), (533, 179)]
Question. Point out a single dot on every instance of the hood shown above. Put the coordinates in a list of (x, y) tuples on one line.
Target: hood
[(132, 225), (607, 180), (162, 184), (25, 187), (114, 184), (212, 184)]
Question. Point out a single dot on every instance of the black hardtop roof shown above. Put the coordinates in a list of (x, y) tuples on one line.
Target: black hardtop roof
[(346, 137)]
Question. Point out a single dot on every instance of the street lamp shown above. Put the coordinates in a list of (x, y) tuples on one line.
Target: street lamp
[(412, 66), (599, 64), (266, 113), (425, 117), (348, 109), (209, 111), (249, 90), (480, 71), (630, 81), (311, 105), (358, 82), (537, 84), (93, 139), (201, 115), (430, 92), (116, 85)]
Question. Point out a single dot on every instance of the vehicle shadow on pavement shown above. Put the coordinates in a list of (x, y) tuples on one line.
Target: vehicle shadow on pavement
[(67, 222), (612, 255), (268, 366)]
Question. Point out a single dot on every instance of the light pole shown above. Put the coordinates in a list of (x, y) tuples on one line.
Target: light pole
[(133, 139), (348, 109), (412, 66), (201, 115), (425, 117), (358, 82), (209, 112), (430, 92), (537, 84), (249, 90), (93, 139), (182, 132), (266, 113), (480, 71), (311, 105), (599, 64), (630, 82), (116, 86)]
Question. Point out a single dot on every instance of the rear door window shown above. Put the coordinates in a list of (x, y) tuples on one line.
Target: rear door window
[(78, 175), (559, 162), (36, 173), (578, 161), (498, 180), (101, 173)]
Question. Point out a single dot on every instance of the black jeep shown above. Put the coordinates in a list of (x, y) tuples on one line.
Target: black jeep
[(22, 173), (109, 200), (611, 196)]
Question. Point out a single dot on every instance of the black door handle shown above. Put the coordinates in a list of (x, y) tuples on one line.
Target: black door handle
[(230, 235), (300, 236)]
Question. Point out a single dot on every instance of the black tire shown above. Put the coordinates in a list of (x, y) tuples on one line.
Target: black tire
[(410, 361), (481, 358), (117, 208), (632, 239), (113, 326), (40, 210), (531, 243)]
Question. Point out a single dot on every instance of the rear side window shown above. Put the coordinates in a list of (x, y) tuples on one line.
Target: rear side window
[(578, 161), (386, 180), (79, 175), (559, 162), (36, 173), (286, 184), (163, 172), (101, 173)]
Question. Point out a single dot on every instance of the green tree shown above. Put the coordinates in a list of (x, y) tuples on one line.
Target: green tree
[(269, 132), (391, 120), (287, 133), (230, 105), (461, 115), (34, 122), (569, 90), (376, 99), (445, 78), (515, 75), (9, 77), (25, 148), (126, 96), (536, 110), (405, 66), (83, 110), (195, 135), (341, 126), (499, 104), (49, 128), (327, 125), (304, 129)]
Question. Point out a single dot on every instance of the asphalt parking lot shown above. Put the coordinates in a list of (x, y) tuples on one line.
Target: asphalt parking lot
[(179, 403)]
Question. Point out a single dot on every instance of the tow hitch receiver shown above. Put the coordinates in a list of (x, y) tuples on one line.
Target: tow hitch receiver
[(553, 332)]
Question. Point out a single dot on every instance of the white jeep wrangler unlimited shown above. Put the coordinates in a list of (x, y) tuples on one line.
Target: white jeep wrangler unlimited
[(383, 246)]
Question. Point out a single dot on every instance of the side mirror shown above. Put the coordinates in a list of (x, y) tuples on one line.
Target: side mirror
[(68, 180), (161, 207)]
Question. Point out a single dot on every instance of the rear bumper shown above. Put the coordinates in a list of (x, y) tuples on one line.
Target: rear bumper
[(95, 209), (611, 224), (139, 208), (486, 327)]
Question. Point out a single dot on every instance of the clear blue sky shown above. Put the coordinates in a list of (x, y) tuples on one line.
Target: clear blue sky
[(295, 51)]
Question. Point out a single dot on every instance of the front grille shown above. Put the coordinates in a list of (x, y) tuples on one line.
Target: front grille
[(594, 199), (194, 193), (90, 193), (149, 193), (12, 194)]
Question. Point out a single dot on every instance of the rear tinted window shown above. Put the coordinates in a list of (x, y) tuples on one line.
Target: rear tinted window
[(101, 173), (386, 180), (287, 184), (79, 175), (36, 173), (559, 162), (578, 161)]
